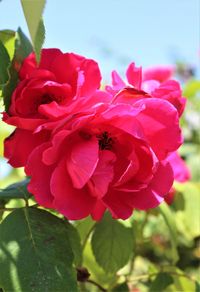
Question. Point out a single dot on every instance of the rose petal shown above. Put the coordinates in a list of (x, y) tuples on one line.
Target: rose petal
[(82, 160), (40, 174), (159, 73), (103, 174), (98, 210), (160, 123), (73, 203), (134, 75), (19, 145)]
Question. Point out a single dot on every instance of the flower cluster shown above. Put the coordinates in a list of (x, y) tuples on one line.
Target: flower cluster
[(88, 150)]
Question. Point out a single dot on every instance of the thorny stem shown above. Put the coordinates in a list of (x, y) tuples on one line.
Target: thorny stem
[(96, 284)]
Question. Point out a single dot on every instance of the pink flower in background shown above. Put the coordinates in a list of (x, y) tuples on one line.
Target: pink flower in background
[(181, 174), (180, 169), (159, 73)]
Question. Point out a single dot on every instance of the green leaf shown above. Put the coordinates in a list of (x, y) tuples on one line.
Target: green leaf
[(8, 39), (39, 40), (97, 273), (16, 191), (84, 227), (4, 64), (170, 222), (23, 48), (197, 287), (112, 244), (10, 87), (190, 216), (75, 242), (191, 88), (33, 13), (161, 282), (35, 253), (33, 10), (121, 288), (181, 280)]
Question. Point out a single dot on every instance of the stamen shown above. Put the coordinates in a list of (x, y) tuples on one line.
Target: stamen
[(105, 141)]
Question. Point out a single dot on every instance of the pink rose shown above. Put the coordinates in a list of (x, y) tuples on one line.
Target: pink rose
[(154, 82), (112, 157)]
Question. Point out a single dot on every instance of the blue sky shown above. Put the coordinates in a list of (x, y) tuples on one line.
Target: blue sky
[(115, 32)]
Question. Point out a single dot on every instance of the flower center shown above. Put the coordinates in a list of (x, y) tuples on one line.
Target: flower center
[(105, 141)]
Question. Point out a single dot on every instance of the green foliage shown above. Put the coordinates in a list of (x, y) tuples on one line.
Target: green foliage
[(23, 46), (75, 242), (188, 219), (8, 39), (121, 288), (169, 219), (22, 49), (112, 244), (161, 282), (197, 287), (7, 44), (33, 13), (5, 61), (35, 253), (16, 191), (192, 89), (39, 40)]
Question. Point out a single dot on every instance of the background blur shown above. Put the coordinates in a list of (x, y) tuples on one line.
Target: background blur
[(116, 32)]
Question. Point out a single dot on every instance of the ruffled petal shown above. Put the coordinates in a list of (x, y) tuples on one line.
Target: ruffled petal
[(19, 145), (103, 174), (66, 70), (40, 175), (171, 91), (73, 203), (82, 160), (160, 123), (98, 210), (134, 75)]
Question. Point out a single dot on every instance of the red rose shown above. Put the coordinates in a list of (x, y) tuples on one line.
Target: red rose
[(55, 83), (45, 93), (112, 157)]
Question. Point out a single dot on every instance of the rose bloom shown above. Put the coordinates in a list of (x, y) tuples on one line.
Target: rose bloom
[(45, 93), (113, 157), (85, 150), (153, 82)]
